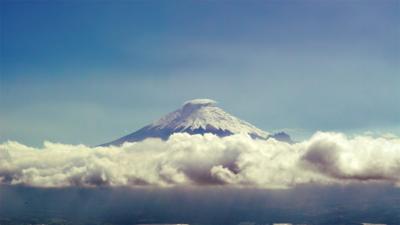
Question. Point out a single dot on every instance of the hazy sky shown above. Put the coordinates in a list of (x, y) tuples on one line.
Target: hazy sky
[(89, 72)]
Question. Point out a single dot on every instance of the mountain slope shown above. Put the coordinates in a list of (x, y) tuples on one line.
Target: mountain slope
[(197, 116)]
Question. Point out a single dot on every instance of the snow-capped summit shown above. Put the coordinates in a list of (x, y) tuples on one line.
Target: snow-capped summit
[(197, 116), (203, 114)]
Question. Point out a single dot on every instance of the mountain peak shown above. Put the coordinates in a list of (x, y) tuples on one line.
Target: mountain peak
[(203, 114), (197, 116), (192, 106)]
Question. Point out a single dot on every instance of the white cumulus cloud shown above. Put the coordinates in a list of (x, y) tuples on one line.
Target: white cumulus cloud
[(237, 161)]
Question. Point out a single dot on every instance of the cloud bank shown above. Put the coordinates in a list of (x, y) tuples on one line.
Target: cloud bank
[(237, 161)]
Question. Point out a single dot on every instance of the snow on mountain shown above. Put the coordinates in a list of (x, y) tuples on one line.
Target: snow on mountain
[(197, 116), (201, 113)]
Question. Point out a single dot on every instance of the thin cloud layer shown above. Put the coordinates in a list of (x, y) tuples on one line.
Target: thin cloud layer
[(236, 161)]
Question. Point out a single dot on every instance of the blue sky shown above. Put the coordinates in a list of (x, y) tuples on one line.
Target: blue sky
[(91, 71)]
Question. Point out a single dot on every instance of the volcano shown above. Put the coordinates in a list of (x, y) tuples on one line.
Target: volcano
[(198, 116)]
